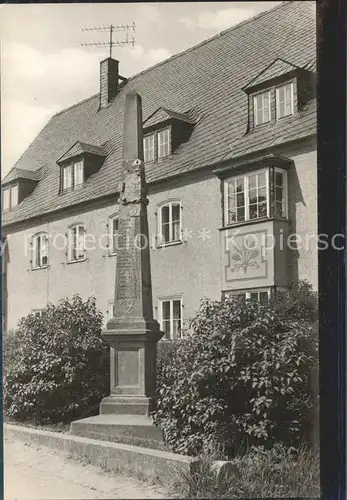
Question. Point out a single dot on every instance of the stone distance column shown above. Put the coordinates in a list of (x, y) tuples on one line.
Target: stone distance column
[(132, 332)]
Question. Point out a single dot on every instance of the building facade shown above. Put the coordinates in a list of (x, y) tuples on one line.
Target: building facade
[(230, 153)]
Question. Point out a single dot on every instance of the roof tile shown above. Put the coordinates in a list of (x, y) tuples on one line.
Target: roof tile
[(207, 78)]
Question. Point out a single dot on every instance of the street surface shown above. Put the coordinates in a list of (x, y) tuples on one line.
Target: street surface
[(38, 473)]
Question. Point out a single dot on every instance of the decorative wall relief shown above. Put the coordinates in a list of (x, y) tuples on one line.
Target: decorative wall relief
[(245, 255)]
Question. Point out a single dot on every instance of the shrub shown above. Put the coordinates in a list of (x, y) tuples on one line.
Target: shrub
[(241, 376), (57, 367)]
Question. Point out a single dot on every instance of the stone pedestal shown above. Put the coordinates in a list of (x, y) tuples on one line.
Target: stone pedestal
[(133, 367)]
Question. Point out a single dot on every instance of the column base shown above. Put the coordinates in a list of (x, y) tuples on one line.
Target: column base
[(131, 405)]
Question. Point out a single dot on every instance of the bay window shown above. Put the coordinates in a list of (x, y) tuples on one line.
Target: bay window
[(261, 296), (251, 196)]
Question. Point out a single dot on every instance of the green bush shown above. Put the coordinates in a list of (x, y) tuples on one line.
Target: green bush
[(242, 376), (57, 366)]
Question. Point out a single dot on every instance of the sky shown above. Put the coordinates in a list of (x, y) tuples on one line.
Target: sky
[(44, 68)]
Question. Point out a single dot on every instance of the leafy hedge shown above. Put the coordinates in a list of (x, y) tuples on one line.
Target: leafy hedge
[(56, 366), (242, 375)]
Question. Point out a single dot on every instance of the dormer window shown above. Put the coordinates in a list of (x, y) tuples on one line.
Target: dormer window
[(9, 197), (157, 145), (280, 90), (72, 176), (262, 108), (164, 132), (78, 164), (285, 100)]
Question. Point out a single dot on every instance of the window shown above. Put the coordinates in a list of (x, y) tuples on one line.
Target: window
[(10, 197), (262, 108), (171, 318), (113, 231), (78, 173), (157, 145), (261, 296), (72, 176), (170, 223), (280, 185), (6, 199), (285, 100), (76, 243), (148, 148), (247, 197), (40, 251), (163, 143)]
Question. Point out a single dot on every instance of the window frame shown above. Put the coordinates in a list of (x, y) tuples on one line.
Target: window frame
[(160, 237), (270, 195), (248, 293), (255, 107), (271, 291), (9, 190), (285, 193), (171, 300), (111, 219), (156, 144), (286, 84), (37, 263), (73, 185), (147, 136), (168, 142), (71, 248)]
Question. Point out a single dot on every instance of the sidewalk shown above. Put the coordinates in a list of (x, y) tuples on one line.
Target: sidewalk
[(39, 473)]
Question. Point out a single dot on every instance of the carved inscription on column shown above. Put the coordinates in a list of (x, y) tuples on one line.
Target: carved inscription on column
[(128, 279)]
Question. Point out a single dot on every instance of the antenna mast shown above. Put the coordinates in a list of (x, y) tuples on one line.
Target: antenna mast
[(111, 28)]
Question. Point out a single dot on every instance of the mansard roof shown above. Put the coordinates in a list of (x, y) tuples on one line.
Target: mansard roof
[(208, 78)]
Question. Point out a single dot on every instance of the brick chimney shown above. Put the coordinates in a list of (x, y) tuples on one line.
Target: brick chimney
[(109, 78)]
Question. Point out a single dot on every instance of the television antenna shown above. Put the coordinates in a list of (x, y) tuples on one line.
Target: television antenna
[(111, 29)]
